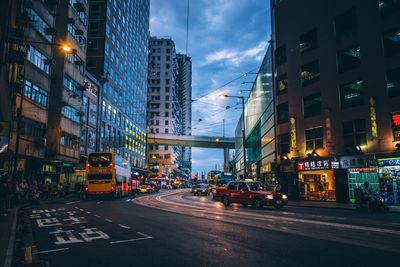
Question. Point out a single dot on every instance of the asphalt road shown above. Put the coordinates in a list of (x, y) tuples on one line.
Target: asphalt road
[(174, 228)]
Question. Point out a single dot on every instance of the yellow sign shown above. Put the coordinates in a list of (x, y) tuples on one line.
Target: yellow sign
[(20, 165), (293, 139), (4, 128)]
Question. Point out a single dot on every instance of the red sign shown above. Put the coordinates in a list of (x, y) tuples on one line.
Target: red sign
[(300, 166), (396, 119), (318, 164)]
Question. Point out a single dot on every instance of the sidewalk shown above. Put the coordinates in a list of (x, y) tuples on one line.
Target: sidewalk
[(7, 237), (331, 205)]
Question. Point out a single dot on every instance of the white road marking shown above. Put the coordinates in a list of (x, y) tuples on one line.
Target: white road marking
[(134, 239), (99, 202), (128, 200), (97, 216), (108, 220), (88, 212), (51, 250), (72, 202), (81, 209), (124, 226)]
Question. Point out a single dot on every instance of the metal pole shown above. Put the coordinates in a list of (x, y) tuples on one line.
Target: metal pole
[(244, 139), (223, 128), (18, 133)]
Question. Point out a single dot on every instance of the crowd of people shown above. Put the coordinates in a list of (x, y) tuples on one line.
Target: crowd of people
[(15, 193)]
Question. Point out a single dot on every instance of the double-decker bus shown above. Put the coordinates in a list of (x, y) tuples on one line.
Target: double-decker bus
[(107, 175)]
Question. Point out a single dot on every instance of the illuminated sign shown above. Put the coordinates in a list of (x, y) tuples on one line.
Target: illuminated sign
[(358, 170), (319, 164), (374, 126), (353, 162), (396, 126), (389, 162), (293, 140)]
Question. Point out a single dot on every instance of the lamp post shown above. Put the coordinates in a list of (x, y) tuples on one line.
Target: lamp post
[(243, 130)]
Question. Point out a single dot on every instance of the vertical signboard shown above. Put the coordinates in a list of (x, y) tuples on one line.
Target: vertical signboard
[(293, 139)]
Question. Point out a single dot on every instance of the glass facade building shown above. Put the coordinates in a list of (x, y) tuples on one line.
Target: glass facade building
[(117, 56)]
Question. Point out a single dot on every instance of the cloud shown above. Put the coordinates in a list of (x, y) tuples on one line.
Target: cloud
[(236, 57)]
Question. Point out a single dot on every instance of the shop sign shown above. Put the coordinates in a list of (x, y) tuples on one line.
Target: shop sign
[(335, 165), (374, 126), (319, 164), (358, 170), (352, 162), (396, 126), (389, 162), (293, 139)]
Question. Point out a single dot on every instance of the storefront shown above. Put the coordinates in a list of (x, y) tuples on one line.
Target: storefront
[(316, 180), (389, 179)]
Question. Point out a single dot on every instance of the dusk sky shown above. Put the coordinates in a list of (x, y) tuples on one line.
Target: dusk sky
[(227, 38)]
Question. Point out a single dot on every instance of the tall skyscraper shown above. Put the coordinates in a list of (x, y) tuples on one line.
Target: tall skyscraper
[(164, 109), (185, 101), (117, 56)]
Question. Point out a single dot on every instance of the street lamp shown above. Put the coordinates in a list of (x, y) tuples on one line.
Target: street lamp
[(243, 130)]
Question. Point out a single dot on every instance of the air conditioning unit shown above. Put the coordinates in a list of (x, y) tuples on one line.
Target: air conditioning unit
[(41, 142), (50, 61)]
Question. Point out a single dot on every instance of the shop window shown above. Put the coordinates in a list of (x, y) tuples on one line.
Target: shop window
[(388, 7), (346, 24), (281, 84), (284, 143), (391, 42), (310, 73), (312, 105), (351, 94), (349, 58), (308, 41), (283, 112), (354, 133), (393, 82), (280, 55), (314, 138)]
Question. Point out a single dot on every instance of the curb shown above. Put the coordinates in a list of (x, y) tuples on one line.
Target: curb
[(321, 207)]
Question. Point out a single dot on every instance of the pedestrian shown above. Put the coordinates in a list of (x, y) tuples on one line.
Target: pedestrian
[(24, 189), (60, 190)]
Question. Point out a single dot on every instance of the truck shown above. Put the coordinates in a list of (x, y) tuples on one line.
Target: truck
[(250, 193)]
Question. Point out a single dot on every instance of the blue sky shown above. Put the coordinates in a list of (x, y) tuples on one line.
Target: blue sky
[(227, 38)]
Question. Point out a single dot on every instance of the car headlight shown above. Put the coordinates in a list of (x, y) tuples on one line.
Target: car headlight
[(270, 197), (195, 190), (284, 196), (204, 190)]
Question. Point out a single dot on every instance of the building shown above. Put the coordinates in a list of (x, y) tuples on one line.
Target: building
[(337, 87), (46, 131), (117, 57), (164, 113), (185, 101), (259, 129)]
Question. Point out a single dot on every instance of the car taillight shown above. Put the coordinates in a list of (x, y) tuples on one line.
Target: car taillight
[(110, 165), (112, 188), (88, 165), (86, 188)]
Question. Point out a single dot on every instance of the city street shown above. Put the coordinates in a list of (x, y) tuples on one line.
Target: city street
[(174, 228)]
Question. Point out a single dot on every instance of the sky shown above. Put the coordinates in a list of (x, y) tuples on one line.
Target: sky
[(227, 38)]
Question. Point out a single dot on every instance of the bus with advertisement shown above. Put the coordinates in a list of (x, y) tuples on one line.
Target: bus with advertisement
[(107, 175)]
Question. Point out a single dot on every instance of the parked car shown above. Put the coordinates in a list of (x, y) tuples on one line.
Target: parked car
[(250, 193), (146, 188), (201, 189)]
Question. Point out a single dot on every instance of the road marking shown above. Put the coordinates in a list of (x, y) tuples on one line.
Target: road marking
[(72, 202), (123, 226), (97, 216), (134, 239), (99, 202), (108, 220), (51, 250), (88, 212), (128, 200)]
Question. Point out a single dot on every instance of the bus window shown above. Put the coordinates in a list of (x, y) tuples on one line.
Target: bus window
[(100, 159)]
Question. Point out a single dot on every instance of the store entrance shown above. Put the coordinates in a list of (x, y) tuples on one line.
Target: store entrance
[(318, 185)]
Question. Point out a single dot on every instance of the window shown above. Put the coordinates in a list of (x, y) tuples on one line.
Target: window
[(391, 42), (166, 105), (346, 24), (166, 123), (312, 105), (308, 41), (351, 94), (165, 147), (284, 143), (393, 82), (280, 55), (69, 141), (32, 128), (77, 61), (38, 23), (167, 89), (314, 138), (232, 186), (35, 93), (38, 59), (388, 7), (354, 133), (310, 73), (71, 113), (167, 98), (281, 84), (166, 130), (348, 59), (166, 114), (72, 85), (283, 112)]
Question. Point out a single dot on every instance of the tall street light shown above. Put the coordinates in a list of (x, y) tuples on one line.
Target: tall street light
[(243, 130)]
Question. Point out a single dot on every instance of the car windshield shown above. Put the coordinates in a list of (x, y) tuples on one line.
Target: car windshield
[(255, 186), (202, 186)]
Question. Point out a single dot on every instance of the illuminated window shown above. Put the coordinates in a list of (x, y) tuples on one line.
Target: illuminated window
[(281, 84), (310, 73), (348, 59), (391, 42), (352, 94), (314, 138)]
